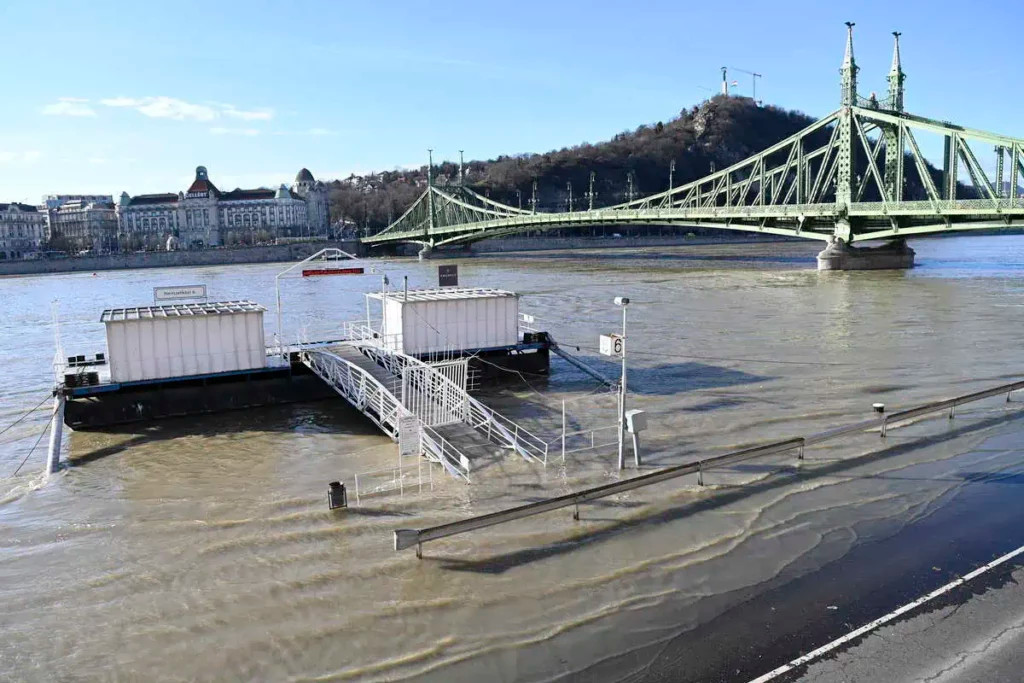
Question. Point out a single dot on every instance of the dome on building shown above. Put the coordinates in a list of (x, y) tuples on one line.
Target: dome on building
[(283, 193), (304, 176)]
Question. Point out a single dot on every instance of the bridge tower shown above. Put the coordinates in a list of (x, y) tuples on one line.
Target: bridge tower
[(893, 136), (845, 152)]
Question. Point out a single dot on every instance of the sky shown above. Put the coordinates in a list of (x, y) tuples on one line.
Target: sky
[(114, 96)]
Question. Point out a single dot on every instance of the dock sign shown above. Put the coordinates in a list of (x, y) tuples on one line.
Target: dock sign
[(447, 276), (179, 293), (408, 435), (611, 344)]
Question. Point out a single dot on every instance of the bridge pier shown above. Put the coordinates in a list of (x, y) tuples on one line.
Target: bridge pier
[(424, 253), (838, 255)]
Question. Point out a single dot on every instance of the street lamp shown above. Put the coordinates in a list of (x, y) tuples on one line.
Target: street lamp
[(623, 302)]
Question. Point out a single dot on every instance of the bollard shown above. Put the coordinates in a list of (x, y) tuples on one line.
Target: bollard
[(336, 495)]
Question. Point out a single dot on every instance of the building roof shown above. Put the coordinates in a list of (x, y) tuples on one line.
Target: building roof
[(443, 294), (180, 310), (166, 198), (304, 176), (19, 206), (259, 193), (203, 185)]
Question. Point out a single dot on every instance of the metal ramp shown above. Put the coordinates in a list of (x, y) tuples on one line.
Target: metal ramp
[(436, 381), (359, 381)]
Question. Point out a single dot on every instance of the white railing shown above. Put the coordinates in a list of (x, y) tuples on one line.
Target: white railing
[(589, 439), (391, 480), (375, 401), (361, 389), (485, 420), (499, 428), (439, 449)]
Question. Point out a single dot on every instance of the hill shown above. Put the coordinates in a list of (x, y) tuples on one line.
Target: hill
[(714, 134)]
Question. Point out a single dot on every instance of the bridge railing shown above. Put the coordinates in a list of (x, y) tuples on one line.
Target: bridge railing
[(407, 538)]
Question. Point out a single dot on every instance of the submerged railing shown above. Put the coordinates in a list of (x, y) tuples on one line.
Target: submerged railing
[(406, 538)]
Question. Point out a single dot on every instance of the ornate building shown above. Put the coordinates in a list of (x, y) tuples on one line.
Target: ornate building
[(22, 231), (84, 221), (205, 216)]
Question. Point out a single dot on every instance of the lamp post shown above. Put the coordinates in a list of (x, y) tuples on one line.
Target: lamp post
[(623, 302)]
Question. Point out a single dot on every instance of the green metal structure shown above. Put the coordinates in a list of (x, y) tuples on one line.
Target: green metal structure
[(842, 178)]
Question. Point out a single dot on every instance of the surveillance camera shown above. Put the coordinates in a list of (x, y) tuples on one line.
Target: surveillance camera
[(621, 300)]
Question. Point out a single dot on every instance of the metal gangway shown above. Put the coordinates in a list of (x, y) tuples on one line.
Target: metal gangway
[(409, 399), (362, 387), (436, 392)]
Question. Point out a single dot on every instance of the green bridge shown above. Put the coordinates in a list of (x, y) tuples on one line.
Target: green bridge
[(840, 180)]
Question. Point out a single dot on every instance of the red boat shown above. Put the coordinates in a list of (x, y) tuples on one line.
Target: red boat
[(332, 271)]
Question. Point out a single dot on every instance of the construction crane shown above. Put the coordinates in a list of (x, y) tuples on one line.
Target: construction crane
[(753, 77)]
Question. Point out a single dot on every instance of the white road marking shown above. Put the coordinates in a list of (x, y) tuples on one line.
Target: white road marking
[(810, 656)]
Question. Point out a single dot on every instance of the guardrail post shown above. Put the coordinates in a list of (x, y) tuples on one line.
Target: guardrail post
[(952, 410), (800, 452), (419, 551), (700, 473), (563, 426), (885, 422), (576, 511)]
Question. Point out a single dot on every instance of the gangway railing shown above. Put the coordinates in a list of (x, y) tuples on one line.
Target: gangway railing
[(406, 538), (374, 400), (482, 418)]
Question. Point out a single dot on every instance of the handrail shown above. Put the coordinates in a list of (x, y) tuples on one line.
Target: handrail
[(406, 538), (528, 445)]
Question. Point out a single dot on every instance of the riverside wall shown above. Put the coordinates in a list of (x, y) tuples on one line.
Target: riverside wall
[(175, 259)]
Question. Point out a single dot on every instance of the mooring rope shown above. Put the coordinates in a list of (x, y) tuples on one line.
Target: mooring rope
[(31, 450), (32, 410)]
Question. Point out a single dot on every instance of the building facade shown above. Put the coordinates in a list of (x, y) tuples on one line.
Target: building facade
[(23, 231), (205, 216), (82, 222)]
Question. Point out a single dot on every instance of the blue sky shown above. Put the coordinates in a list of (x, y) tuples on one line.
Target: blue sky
[(112, 96)]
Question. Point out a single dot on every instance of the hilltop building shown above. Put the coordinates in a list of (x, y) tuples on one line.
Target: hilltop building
[(22, 231), (86, 222), (205, 216)]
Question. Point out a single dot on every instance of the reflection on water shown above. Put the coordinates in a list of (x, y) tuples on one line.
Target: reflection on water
[(200, 546)]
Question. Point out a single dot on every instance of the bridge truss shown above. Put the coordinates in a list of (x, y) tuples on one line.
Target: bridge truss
[(857, 174)]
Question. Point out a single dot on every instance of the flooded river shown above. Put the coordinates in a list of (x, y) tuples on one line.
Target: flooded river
[(202, 549)]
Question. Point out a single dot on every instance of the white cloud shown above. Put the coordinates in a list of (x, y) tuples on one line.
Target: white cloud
[(252, 115), (69, 106), (315, 132), (217, 130), (163, 107)]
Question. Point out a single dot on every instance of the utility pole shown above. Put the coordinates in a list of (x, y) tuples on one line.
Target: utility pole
[(533, 198), (629, 192), (671, 173), (568, 186), (590, 192), (519, 199)]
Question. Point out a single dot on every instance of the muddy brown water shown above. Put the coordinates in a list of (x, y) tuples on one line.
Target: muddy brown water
[(202, 549)]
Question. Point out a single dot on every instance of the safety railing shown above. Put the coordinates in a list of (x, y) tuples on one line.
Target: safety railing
[(439, 449), (589, 439), (499, 428), (391, 480), (407, 538), (361, 389), (485, 420)]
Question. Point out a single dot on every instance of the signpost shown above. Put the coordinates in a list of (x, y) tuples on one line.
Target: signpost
[(179, 293), (448, 276), (408, 436)]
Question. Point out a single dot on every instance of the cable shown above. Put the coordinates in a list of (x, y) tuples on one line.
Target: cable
[(32, 410), (735, 360), (31, 450)]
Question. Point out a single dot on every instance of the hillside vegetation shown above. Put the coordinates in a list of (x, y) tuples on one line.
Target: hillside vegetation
[(712, 135)]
